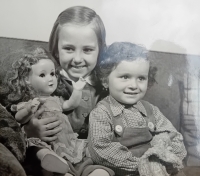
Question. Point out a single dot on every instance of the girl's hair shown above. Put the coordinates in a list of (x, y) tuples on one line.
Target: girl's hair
[(78, 15), (19, 89), (123, 51)]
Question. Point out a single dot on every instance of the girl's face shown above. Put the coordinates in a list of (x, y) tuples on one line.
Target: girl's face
[(128, 81), (42, 77), (78, 50)]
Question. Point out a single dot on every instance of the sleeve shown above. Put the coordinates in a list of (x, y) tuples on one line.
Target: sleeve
[(103, 150), (164, 125)]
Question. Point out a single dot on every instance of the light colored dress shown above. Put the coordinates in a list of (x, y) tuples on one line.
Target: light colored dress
[(67, 144)]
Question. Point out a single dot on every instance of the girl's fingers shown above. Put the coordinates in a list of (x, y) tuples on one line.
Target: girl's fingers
[(49, 120), (52, 125), (50, 135)]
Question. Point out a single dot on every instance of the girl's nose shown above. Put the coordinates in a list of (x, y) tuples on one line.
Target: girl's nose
[(77, 57)]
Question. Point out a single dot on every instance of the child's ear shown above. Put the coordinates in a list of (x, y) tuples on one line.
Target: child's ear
[(105, 83)]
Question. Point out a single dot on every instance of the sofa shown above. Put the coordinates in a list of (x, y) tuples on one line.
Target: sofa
[(176, 92)]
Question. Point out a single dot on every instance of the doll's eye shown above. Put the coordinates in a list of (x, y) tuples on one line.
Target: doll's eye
[(42, 75), (142, 78), (52, 74)]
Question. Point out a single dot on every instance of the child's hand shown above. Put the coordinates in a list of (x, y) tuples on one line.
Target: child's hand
[(80, 84)]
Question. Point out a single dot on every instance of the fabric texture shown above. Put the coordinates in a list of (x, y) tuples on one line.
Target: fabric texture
[(67, 145), (113, 154)]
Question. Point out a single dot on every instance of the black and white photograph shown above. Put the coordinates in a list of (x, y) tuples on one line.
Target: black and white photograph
[(99, 88)]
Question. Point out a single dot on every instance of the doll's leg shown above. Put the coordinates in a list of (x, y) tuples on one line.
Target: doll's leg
[(101, 172), (50, 161)]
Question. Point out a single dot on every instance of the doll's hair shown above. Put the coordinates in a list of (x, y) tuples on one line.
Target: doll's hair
[(81, 16), (123, 51), (16, 78)]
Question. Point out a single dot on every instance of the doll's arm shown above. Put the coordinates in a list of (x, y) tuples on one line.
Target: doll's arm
[(76, 95), (24, 111)]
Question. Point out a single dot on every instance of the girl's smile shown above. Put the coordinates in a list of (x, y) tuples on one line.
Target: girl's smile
[(78, 50)]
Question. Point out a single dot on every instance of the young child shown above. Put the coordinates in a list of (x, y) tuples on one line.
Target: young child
[(33, 79), (126, 133)]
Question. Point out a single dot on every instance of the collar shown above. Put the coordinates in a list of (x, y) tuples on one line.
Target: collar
[(117, 108), (87, 79)]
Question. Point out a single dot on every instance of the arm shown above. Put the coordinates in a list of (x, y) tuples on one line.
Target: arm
[(76, 96), (103, 150), (163, 124), (25, 109)]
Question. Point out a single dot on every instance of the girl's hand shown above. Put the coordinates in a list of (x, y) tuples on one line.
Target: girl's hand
[(80, 84), (45, 129)]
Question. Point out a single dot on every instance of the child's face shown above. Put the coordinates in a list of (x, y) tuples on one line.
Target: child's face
[(78, 50), (128, 81), (42, 77)]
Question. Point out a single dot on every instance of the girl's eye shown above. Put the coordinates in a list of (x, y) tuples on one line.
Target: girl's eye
[(42, 75), (52, 74), (88, 50), (69, 49)]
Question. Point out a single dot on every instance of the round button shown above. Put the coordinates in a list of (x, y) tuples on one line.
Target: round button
[(140, 123), (85, 114), (151, 126), (118, 128), (85, 98)]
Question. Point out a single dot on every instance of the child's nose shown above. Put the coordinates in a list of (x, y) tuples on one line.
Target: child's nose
[(133, 84)]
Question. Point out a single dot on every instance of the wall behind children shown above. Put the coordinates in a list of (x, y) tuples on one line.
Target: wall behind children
[(160, 25)]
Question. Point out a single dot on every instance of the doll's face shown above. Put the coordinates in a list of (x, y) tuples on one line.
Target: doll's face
[(42, 77), (78, 50), (128, 82)]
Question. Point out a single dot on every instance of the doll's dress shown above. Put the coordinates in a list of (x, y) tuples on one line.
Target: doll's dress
[(67, 144)]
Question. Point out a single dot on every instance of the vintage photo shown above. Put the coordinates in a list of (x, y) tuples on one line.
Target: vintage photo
[(99, 88)]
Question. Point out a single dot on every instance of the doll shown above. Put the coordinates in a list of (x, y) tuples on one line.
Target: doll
[(33, 82)]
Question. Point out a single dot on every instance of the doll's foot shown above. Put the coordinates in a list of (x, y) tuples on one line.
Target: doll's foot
[(50, 161)]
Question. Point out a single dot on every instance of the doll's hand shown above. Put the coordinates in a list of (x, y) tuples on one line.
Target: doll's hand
[(45, 129), (80, 84), (33, 105)]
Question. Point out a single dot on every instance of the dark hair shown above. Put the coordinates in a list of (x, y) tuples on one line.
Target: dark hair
[(78, 15), (120, 51)]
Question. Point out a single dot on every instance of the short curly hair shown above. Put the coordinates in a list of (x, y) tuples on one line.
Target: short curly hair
[(19, 90), (123, 51)]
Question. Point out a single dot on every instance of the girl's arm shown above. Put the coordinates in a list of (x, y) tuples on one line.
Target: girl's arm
[(103, 150), (76, 96)]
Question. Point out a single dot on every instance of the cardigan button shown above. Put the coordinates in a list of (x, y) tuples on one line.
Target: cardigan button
[(85, 114), (85, 98), (140, 123)]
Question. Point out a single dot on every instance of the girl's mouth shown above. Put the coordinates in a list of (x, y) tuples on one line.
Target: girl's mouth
[(77, 67)]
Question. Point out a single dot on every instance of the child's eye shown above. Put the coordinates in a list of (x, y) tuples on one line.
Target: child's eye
[(42, 75), (142, 78), (52, 74), (124, 77)]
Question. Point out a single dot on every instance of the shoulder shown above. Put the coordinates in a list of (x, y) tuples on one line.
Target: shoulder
[(100, 111)]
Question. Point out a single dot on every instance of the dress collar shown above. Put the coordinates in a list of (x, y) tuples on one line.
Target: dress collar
[(117, 107), (87, 79)]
